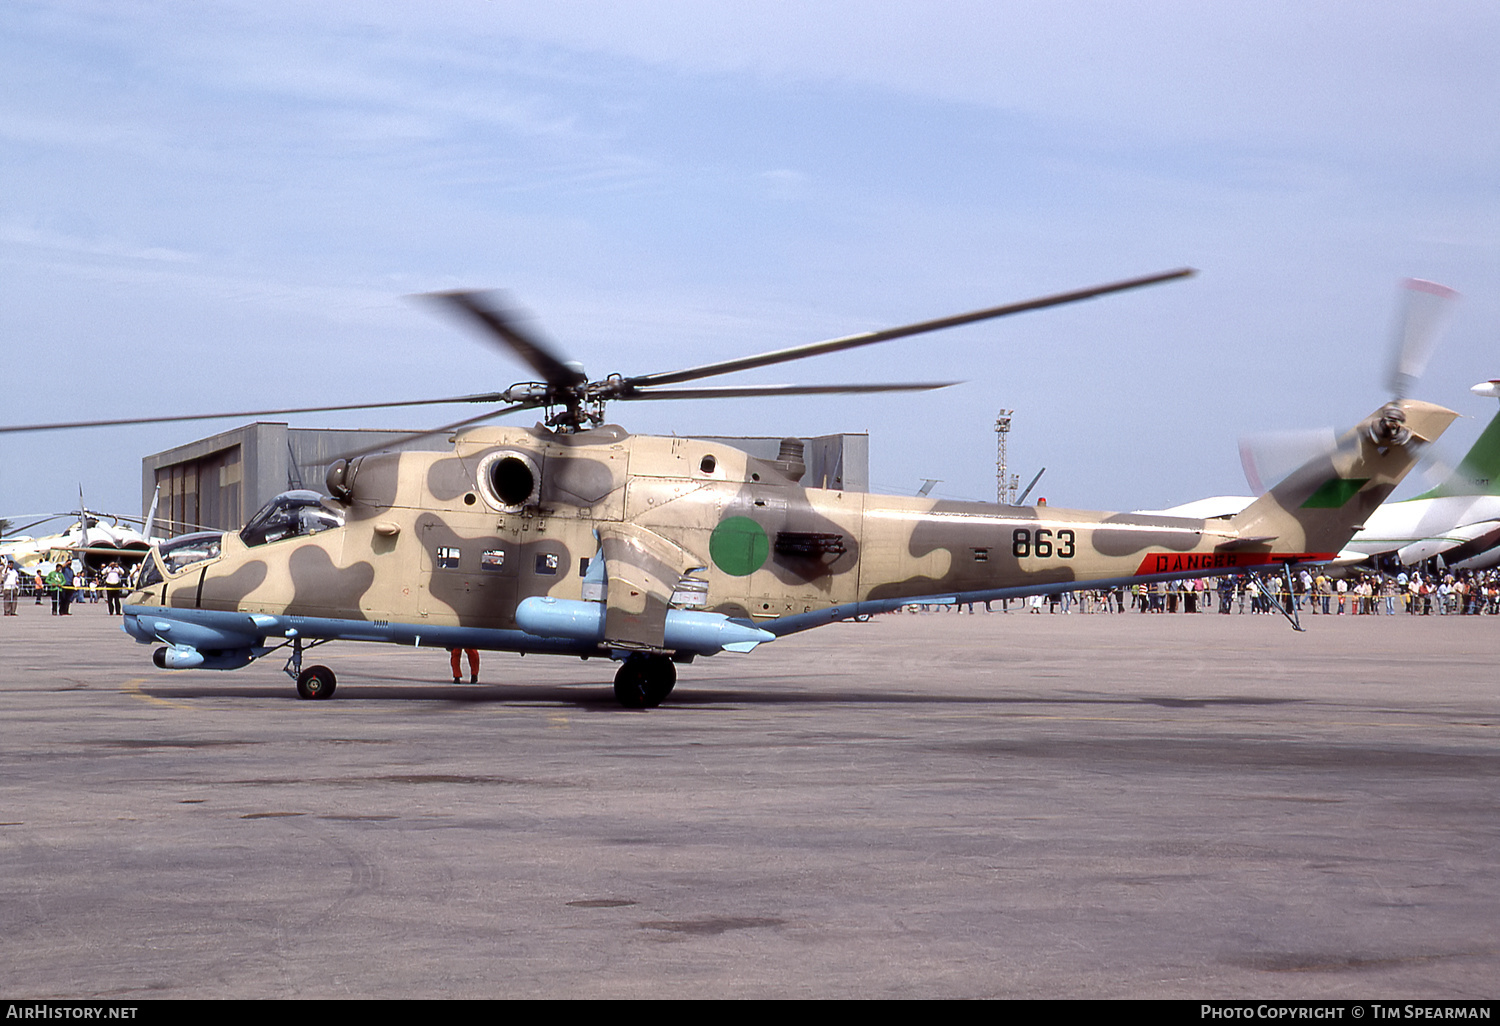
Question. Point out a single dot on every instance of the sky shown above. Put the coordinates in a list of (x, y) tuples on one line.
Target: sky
[(208, 207)]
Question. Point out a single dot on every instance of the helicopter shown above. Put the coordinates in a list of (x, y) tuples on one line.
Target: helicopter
[(89, 537), (574, 537)]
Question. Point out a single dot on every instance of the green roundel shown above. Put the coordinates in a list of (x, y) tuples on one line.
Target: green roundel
[(739, 546)]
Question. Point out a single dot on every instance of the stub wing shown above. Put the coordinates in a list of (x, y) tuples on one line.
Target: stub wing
[(641, 570)]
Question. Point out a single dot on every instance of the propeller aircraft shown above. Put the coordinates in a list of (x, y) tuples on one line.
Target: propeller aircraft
[(574, 537)]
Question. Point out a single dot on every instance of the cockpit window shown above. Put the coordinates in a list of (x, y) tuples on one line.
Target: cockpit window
[(291, 515), (180, 552)]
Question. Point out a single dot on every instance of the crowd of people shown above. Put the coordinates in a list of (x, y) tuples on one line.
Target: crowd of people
[(64, 583), (1314, 590)]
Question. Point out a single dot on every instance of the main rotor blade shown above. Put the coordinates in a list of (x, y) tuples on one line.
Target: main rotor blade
[(739, 391), (445, 429), (871, 337), (483, 397), (503, 326)]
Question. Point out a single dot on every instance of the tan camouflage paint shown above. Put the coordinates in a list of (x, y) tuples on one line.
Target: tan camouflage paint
[(654, 505)]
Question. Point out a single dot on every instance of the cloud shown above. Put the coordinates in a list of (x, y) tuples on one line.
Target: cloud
[(21, 235)]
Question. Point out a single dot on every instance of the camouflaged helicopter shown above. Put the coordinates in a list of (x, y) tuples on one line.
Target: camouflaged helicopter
[(574, 537)]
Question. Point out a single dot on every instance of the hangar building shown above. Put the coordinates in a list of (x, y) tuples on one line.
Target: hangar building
[(217, 483)]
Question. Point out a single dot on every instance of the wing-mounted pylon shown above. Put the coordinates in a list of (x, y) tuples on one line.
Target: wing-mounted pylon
[(641, 595)]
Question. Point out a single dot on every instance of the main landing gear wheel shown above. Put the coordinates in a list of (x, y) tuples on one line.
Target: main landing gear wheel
[(316, 682), (642, 682)]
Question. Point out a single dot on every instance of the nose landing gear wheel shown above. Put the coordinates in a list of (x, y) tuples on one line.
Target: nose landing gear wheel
[(316, 682), (642, 682)]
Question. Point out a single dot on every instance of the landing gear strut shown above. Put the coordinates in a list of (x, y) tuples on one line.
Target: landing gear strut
[(313, 682), (643, 681)]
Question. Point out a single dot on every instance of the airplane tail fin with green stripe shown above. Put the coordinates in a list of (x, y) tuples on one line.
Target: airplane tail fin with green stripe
[(1478, 473)]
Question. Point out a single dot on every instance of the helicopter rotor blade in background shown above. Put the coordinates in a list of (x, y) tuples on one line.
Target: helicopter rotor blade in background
[(503, 325), (871, 337), (150, 524), (13, 531), (1021, 499)]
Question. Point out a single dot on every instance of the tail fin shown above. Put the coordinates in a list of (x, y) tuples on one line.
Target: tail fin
[(1478, 473), (1314, 512)]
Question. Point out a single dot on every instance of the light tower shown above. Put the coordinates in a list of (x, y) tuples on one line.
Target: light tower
[(1005, 482)]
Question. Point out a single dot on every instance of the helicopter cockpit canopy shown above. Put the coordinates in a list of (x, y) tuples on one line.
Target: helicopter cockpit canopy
[(180, 552), (292, 514)]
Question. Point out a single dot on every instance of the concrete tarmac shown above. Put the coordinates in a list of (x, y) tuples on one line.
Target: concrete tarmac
[(919, 806)]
